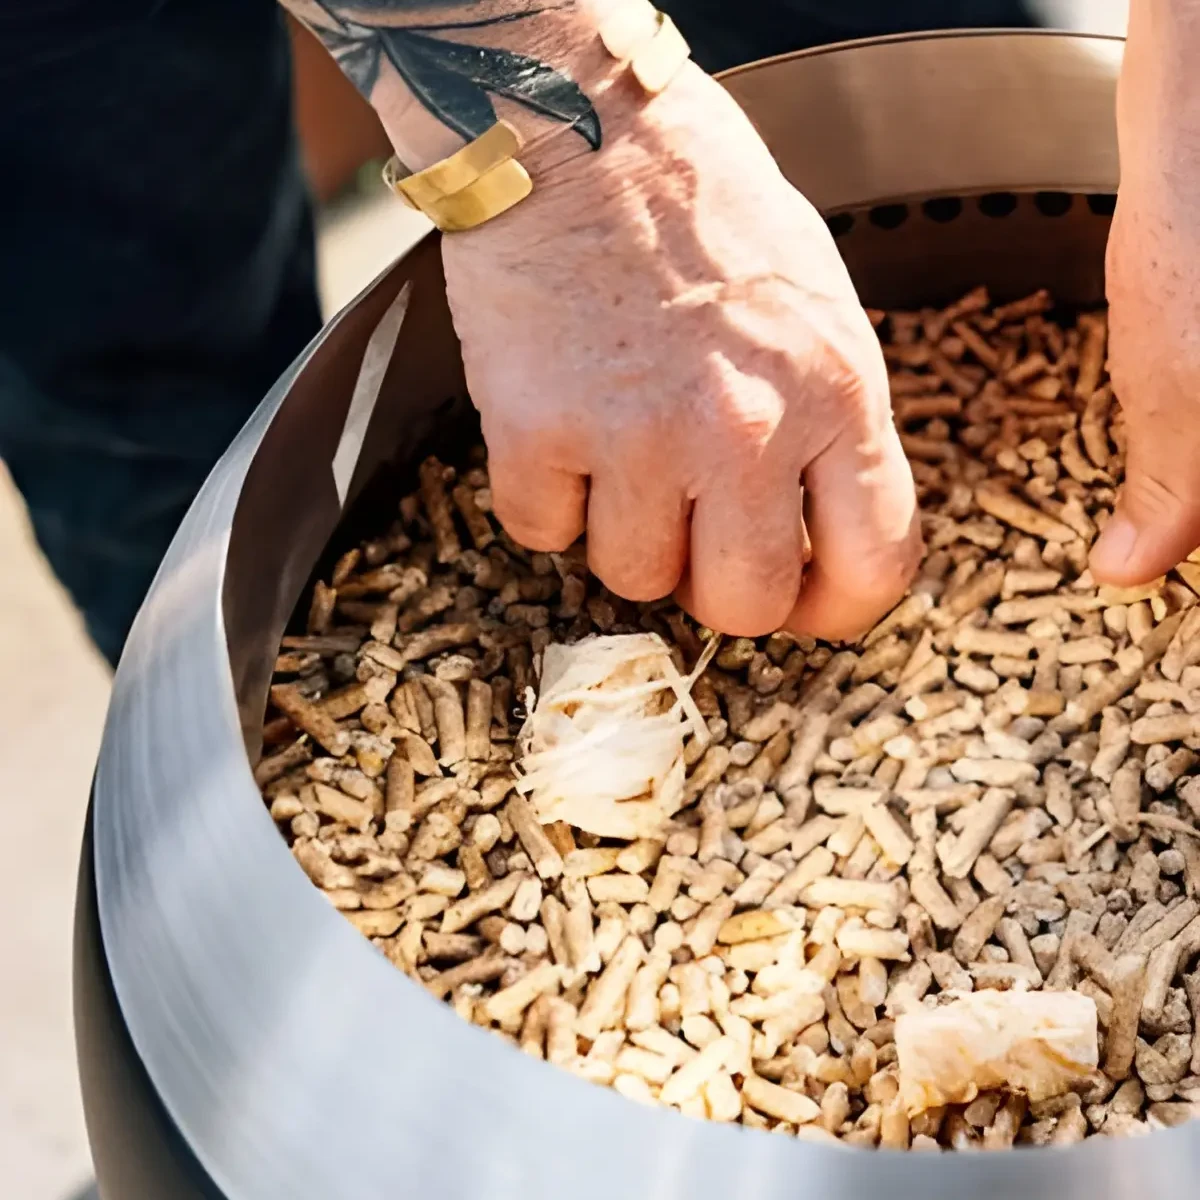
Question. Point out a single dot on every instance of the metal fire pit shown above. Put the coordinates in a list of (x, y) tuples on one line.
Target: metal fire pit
[(237, 1037)]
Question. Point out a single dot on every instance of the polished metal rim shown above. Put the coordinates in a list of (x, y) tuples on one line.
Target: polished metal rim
[(1024, 111), (295, 1060)]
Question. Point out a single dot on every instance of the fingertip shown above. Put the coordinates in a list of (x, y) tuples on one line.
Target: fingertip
[(1130, 552), (1156, 522), (653, 582), (765, 615), (542, 511), (823, 613), (803, 623), (1112, 558), (540, 541), (841, 600)]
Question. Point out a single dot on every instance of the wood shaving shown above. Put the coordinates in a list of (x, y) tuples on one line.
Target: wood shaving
[(602, 746), (1037, 1044)]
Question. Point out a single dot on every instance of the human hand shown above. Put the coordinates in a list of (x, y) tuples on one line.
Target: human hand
[(664, 346), (1154, 355), (1153, 283)]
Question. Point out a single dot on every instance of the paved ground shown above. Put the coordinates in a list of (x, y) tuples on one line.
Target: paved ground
[(53, 691), (51, 707)]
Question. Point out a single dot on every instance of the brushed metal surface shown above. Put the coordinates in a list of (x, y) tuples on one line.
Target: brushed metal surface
[(298, 1063), (933, 257), (941, 114)]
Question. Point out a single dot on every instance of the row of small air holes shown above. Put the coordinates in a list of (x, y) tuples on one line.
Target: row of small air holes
[(994, 204)]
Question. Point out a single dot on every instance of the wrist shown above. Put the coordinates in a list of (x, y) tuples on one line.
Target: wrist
[(546, 73), (640, 134), (662, 157)]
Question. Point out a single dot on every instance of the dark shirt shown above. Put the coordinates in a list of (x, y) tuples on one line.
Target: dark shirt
[(157, 263)]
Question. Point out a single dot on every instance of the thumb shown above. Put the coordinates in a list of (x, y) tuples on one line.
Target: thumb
[(1157, 520)]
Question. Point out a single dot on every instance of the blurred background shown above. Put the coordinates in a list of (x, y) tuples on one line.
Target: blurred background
[(54, 686)]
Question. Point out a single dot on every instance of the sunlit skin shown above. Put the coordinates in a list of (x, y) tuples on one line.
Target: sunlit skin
[(667, 351)]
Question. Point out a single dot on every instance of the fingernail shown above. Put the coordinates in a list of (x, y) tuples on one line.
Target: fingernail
[(1116, 545)]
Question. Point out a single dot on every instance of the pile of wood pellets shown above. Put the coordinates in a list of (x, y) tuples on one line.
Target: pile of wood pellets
[(996, 789)]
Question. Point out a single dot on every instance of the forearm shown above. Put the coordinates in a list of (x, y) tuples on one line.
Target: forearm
[(1158, 102), (441, 72)]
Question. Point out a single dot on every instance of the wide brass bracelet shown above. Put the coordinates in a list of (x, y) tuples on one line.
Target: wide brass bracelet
[(484, 178), (473, 185)]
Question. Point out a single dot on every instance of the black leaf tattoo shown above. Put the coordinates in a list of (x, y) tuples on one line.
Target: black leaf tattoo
[(483, 22), (356, 51), (464, 74), (355, 9), (455, 81), (454, 98)]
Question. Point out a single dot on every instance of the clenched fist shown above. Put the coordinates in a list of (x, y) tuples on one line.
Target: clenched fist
[(667, 351)]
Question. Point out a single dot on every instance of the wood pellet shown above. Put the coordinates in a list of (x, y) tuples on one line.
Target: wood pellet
[(996, 789)]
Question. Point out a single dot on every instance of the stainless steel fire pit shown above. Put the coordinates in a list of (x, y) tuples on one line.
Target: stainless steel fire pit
[(237, 1037)]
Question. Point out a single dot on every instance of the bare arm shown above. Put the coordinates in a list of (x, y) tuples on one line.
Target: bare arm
[(440, 72)]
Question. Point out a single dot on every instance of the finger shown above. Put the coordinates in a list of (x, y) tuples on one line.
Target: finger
[(747, 546), (637, 531), (1157, 520), (541, 506), (861, 514)]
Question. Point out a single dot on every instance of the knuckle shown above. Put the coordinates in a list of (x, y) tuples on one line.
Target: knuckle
[(750, 414), (857, 373), (851, 376), (885, 574), (1155, 497), (880, 575)]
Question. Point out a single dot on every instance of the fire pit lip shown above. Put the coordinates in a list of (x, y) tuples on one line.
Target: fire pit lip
[(1031, 120), (292, 1057), (930, 35)]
